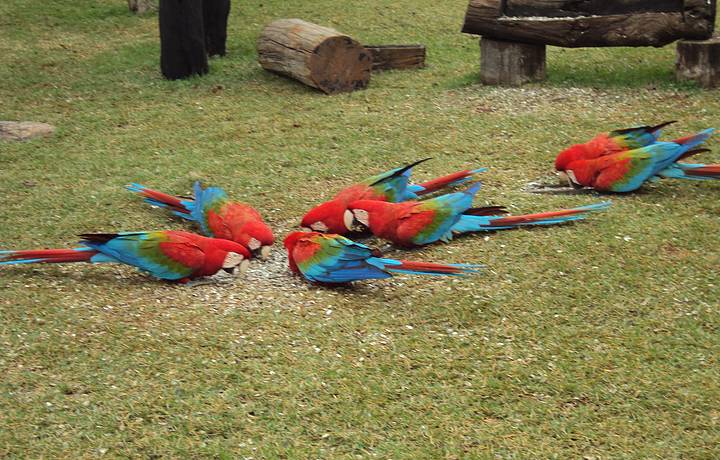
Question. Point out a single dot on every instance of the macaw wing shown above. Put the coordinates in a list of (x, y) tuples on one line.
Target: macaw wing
[(393, 184), (626, 171), (162, 255), (206, 200), (665, 154), (339, 260), (420, 225), (638, 136)]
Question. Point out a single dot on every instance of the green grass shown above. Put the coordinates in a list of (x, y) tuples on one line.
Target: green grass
[(594, 340)]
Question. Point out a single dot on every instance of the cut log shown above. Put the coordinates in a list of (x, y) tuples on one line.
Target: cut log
[(142, 6), (574, 23), (386, 57), (699, 60), (318, 56), (510, 63)]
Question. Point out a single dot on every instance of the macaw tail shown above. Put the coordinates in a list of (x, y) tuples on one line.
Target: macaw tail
[(428, 268), (47, 256), (178, 205), (451, 180), (691, 171), (695, 139), (477, 223)]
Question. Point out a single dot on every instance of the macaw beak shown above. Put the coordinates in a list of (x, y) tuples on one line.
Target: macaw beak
[(306, 229), (352, 223), (239, 269), (564, 178), (264, 252)]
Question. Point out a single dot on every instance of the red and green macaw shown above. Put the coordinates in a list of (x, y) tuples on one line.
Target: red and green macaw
[(218, 216), (168, 255), (416, 223), (392, 186), (616, 141), (331, 258), (627, 170)]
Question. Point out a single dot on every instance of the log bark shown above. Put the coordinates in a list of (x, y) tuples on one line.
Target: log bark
[(579, 23), (317, 56), (386, 57), (510, 63), (699, 61), (182, 39)]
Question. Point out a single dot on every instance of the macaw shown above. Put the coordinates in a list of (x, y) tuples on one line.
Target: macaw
[(330, 258), (627, 171), (168, 255), (392, 186), (218, 216), (622, 140), (416, 223)]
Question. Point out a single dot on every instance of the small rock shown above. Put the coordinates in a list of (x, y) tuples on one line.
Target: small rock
[(24, 130)]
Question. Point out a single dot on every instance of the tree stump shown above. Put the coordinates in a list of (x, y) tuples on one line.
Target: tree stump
[(699, 60), (142, 6), (386, 57), (510, 63), (318, 56), (182, 39)]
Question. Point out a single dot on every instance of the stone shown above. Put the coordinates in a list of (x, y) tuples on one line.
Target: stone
[(24, 130)]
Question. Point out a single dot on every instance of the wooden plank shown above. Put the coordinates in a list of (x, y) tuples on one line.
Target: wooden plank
[(387, 57), (575, 8), (694, 21)]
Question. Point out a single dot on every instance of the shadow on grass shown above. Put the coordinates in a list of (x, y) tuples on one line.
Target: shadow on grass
[(619, 67)]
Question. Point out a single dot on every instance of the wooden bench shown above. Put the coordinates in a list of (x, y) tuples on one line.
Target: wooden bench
[(515, 32)]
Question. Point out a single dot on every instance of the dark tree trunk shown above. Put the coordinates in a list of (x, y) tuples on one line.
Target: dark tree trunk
[(215, 16), (182, 39)]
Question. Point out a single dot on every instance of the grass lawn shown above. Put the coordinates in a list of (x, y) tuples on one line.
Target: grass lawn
[(596, 340)]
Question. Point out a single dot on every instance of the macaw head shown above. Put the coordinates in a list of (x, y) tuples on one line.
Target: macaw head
[(361, 214), (328, 217), (290, 242), (234, 256), (259, 238), (570, 154)]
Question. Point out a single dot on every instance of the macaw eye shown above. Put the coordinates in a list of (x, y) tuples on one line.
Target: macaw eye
[(319, 226)]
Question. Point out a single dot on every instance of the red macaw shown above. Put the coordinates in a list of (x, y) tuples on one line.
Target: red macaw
[(218, 216), (392, 186), (168, 255), (416, 223), (330, 258), (612, 142), (622, 140), (626, 171)]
